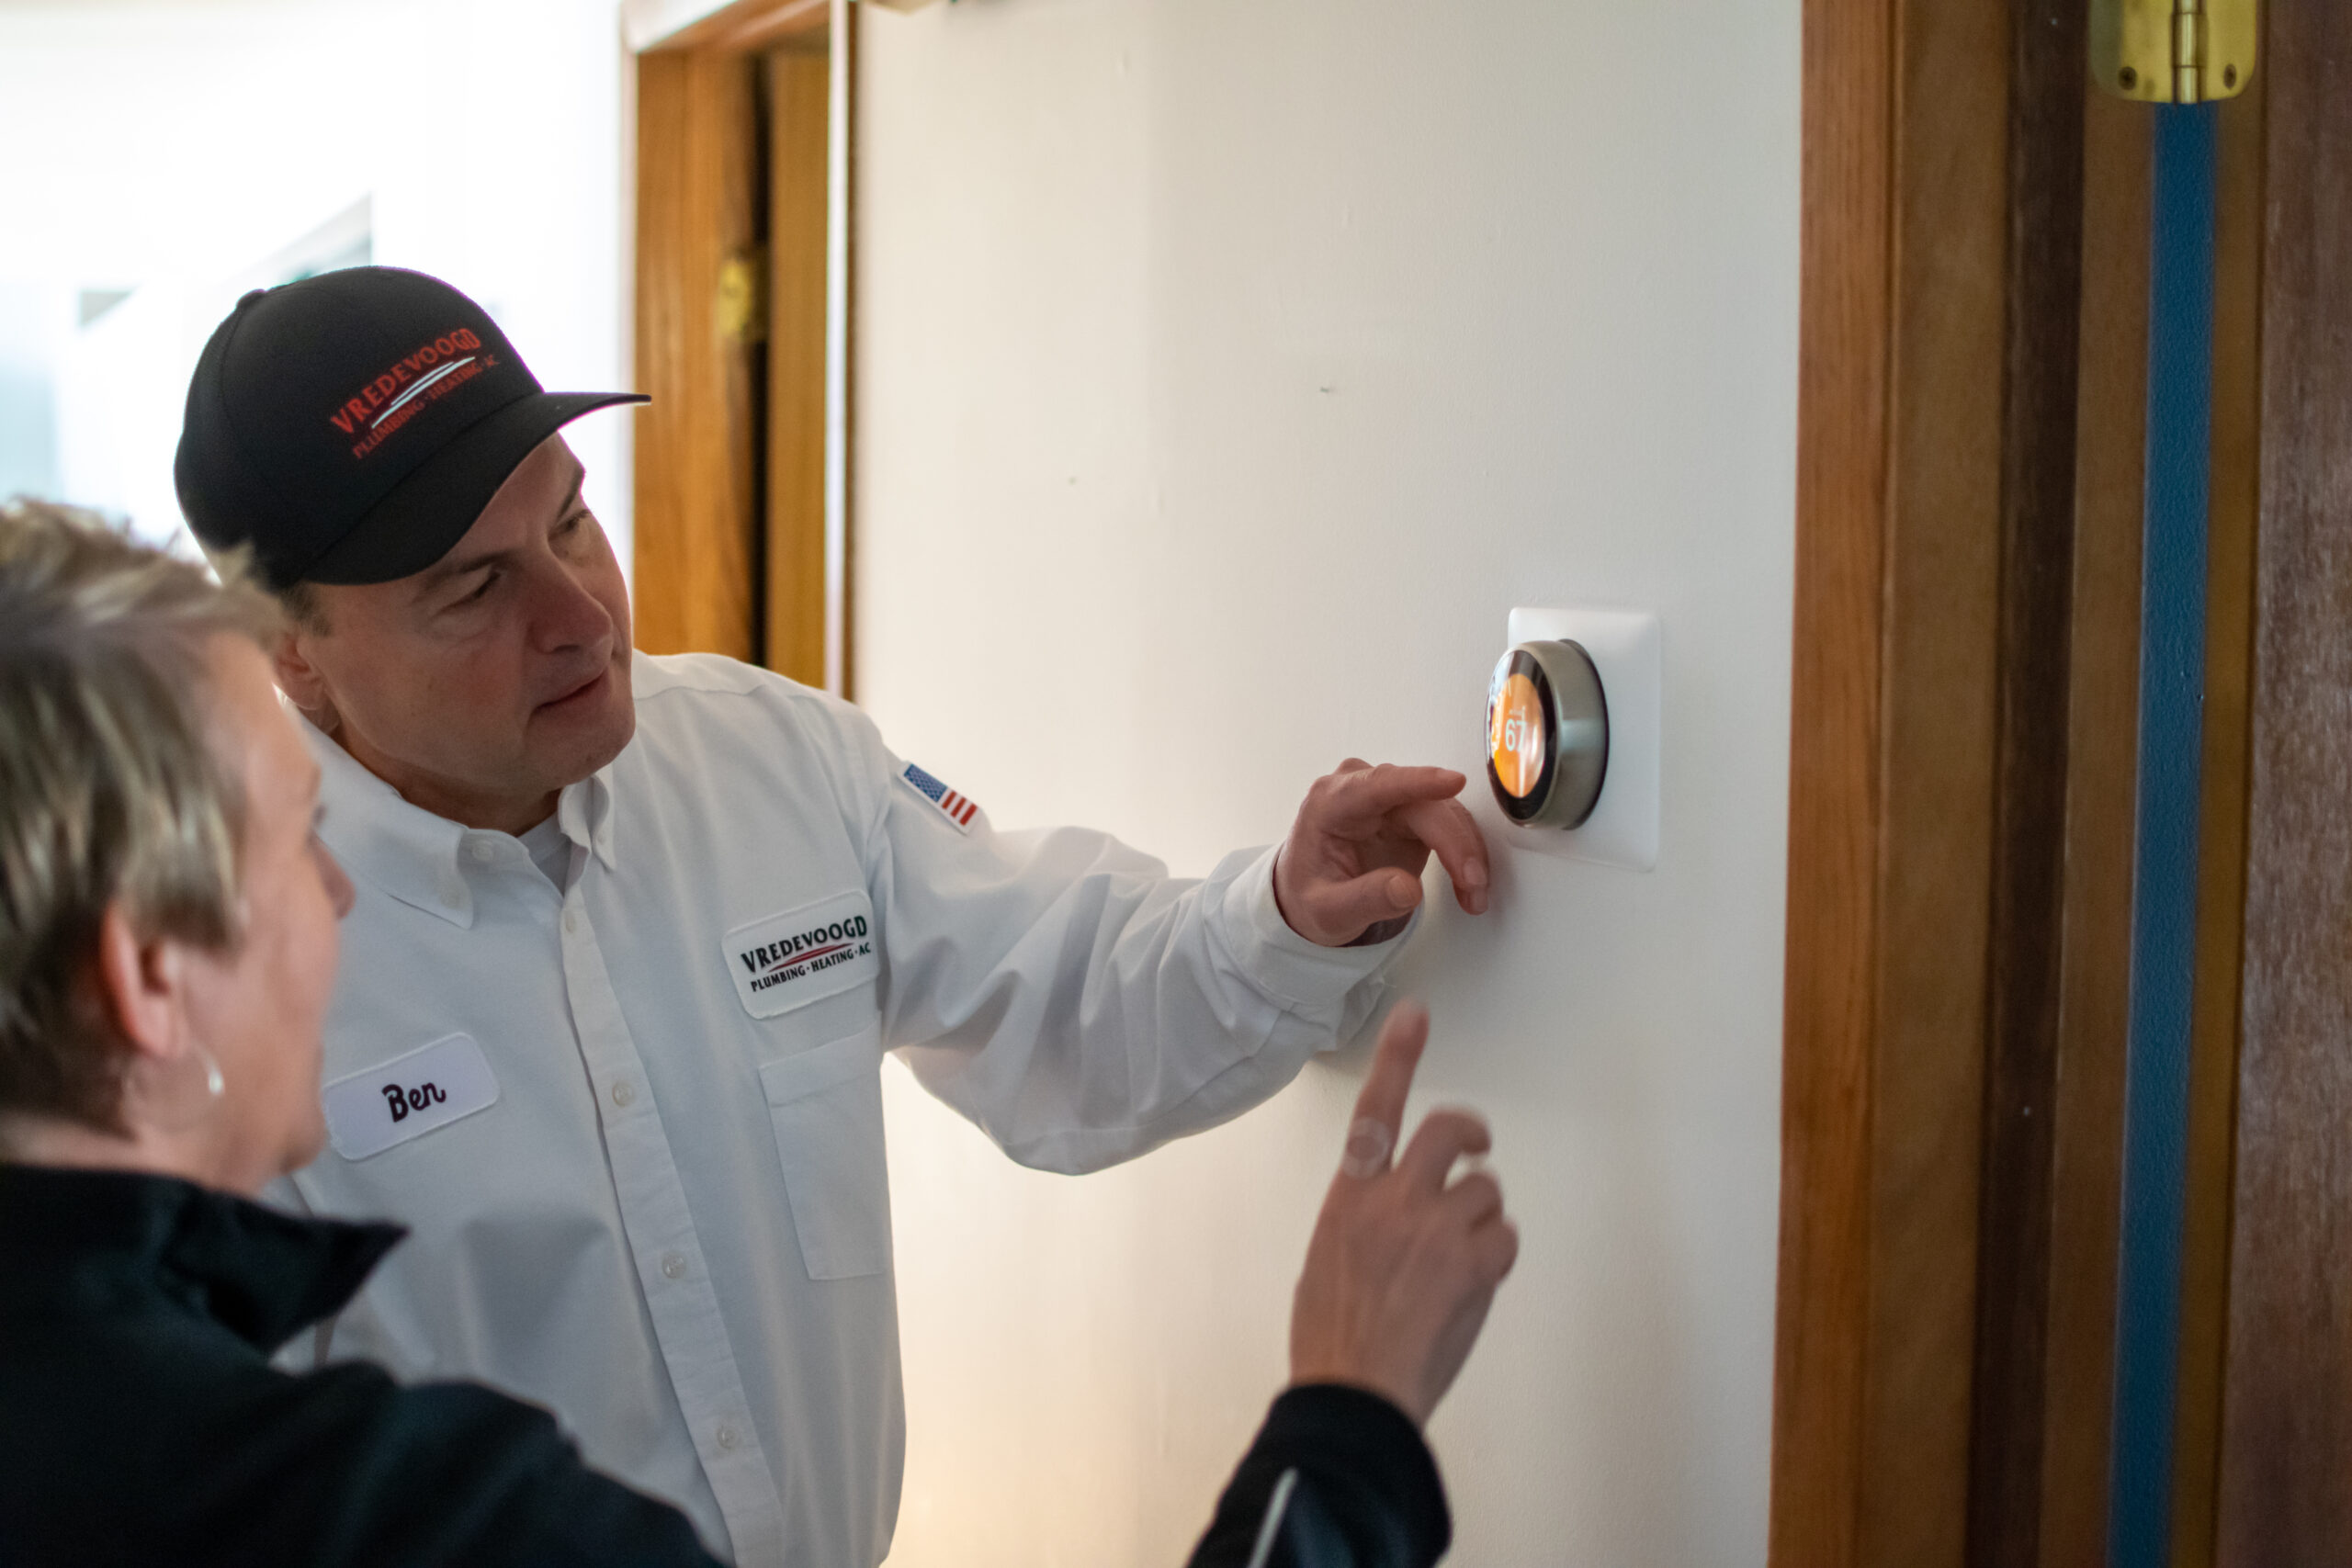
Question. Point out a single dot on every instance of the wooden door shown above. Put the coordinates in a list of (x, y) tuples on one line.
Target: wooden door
[(742, 538), (1972, 444)]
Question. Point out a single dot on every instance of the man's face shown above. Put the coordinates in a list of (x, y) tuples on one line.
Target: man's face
[(259, 1009), (481, 686)]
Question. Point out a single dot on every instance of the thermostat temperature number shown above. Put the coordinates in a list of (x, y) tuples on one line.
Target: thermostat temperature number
[(1516, 741)]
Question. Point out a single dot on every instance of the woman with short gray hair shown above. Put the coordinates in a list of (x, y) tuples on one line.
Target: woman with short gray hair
[(167, 946)]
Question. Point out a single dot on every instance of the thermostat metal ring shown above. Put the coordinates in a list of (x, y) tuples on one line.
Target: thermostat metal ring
[(1574, 720)]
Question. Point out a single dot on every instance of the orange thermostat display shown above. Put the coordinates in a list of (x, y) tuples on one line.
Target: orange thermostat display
[(1547, 734), (1517, 730)]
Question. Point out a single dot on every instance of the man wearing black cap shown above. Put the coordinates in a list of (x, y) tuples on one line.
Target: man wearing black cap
[(632, 934)]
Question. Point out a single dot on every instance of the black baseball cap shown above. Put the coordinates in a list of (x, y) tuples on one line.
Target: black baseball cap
[(351, 427)]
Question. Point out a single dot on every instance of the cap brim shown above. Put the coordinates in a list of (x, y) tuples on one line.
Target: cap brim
[(431, 509)]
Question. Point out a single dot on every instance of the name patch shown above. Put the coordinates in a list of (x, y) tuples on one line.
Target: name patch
[(781, 962), (371, 1111)]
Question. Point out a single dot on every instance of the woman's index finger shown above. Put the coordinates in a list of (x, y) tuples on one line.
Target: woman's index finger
[(1393, 1064)]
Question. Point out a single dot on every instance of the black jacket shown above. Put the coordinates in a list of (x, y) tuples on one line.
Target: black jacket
[(141, 1420)]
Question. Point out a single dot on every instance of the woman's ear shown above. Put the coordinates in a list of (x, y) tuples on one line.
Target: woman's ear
[(139, 986), (301, 679)]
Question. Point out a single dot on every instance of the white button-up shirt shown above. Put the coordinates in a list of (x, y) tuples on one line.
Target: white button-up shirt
[(634, 1121)]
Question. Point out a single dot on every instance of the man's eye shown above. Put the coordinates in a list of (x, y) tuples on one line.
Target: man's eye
[(489, 580)]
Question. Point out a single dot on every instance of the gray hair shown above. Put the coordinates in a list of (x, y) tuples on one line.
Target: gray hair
[(112, 790)]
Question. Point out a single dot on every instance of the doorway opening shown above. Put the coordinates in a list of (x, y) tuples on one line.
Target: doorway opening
[(740, 331)]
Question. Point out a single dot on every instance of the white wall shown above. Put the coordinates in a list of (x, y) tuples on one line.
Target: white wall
[(172, 146), (1225, 372)]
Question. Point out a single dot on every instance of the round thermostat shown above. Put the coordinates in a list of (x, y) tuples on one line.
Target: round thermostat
[(1547, 734)]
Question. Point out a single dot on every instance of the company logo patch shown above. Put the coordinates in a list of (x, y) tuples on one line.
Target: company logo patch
[(380, 1107), (956, 808), (781, 962), (413, 382)]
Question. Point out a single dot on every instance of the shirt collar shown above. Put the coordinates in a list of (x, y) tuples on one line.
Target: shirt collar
[(412, 854), (262, 1274), (584, 812)]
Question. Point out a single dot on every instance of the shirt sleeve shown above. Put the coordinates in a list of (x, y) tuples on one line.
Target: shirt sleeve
[(1338, 1478), (1071, 998)]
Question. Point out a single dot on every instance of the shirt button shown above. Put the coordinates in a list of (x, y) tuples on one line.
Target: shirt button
[(483, 852), (672, 1265), (571, 919), (623, 1093), (726, 1437)]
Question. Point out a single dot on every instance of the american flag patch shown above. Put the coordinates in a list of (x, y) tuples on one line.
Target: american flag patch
[(956, 808)]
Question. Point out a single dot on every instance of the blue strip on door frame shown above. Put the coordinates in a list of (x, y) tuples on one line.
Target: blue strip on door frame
[(2163, 885)]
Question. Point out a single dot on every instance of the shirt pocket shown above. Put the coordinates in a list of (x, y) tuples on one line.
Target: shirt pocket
[(826, 1106)]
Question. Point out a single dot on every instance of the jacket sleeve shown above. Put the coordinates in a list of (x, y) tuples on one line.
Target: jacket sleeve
[(343, 1466), (1338, 1478), (1071, 998)]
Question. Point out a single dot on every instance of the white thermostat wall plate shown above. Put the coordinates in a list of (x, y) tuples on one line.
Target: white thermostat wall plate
[(1624, 648)]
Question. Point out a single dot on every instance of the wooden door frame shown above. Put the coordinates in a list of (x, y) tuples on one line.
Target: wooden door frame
[(2286, 1434), (1895, 757)]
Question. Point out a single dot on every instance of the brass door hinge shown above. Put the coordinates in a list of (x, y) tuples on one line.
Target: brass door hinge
[(2173, 52)]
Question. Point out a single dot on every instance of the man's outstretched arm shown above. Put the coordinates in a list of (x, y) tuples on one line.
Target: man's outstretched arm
[(1080, 1006)]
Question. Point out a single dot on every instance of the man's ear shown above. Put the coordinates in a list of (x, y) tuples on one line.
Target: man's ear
[(139, 985), (299, 678)]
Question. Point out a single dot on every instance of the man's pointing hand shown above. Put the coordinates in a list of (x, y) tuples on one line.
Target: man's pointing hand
[(1350, 870)]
